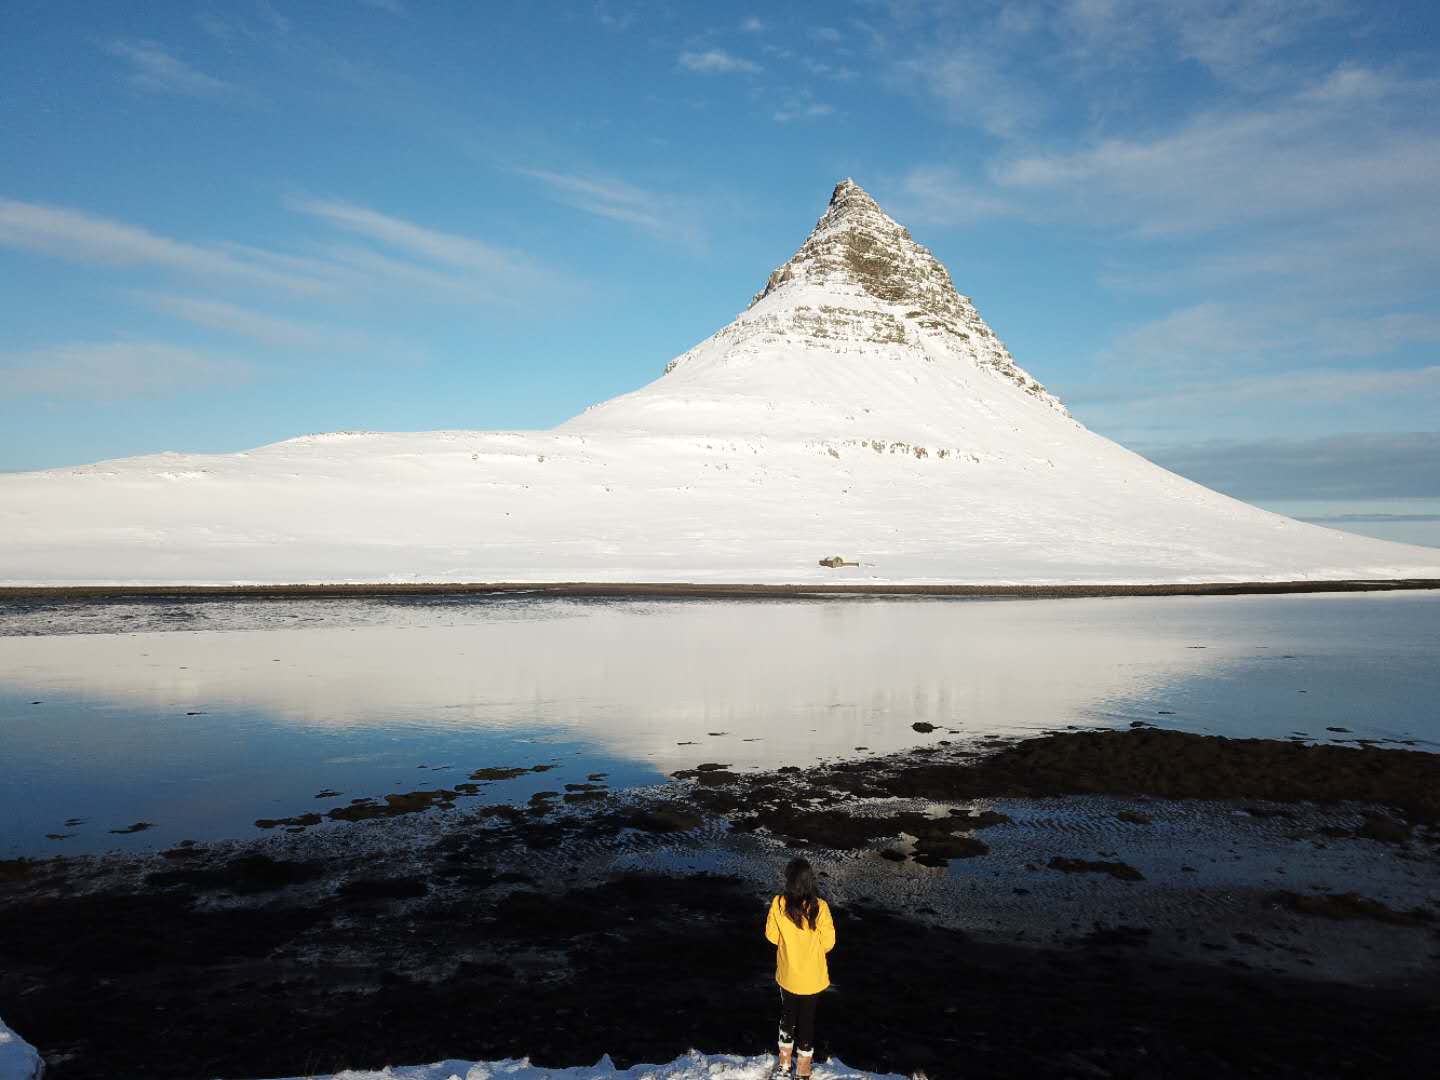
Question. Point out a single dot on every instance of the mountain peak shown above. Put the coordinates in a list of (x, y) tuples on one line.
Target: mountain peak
[(857, 244), (862, 269), (849, 195)]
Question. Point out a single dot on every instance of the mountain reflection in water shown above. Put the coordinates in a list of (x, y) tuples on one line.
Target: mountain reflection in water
[(204, 730)]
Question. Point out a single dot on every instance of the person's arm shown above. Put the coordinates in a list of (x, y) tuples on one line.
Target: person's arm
[(772, 928), (826, 926)]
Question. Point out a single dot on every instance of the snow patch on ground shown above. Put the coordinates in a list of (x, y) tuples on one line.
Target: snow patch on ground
[(691, 1066), (21, 1061)]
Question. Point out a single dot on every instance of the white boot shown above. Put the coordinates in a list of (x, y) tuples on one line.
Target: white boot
[(782, 1062)]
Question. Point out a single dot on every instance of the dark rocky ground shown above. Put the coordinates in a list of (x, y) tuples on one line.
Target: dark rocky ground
[(242, 962)]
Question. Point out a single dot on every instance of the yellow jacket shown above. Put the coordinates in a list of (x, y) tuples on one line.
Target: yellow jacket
[(800, 965)]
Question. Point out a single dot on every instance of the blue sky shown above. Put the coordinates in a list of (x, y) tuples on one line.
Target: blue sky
[(1212, 226)]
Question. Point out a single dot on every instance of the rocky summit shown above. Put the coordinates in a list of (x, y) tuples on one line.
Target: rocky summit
[(885, 287)]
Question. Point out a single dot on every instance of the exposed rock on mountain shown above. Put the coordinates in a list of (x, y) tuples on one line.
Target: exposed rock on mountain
[(857, 246)]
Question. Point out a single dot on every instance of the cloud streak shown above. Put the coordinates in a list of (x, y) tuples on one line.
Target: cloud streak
[(1296, 387), (974, 88), (716, 62), (390, 7), (458, 265), (80, 237), (663, 216), (1358, 466), (1215, 336), (247, 323), (155, 70), (940, 196), (107, 371), (802, 107), (415, 239), (1333, 147), (433, 262)]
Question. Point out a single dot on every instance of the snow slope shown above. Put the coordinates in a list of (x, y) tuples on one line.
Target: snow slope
[(692, 1066), (859, 406), (18, 1059)]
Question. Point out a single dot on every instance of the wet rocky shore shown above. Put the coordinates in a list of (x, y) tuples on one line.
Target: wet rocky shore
[(1130, 904)]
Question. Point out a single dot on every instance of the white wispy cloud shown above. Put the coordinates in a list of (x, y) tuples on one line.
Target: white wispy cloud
[(417, 239), (466, 266), (155, 70), (432, 263), (828, 71), (801, 107), (1262, 363), (975, 88), (221, 28), (1297, 389), (752, 24), (1225, 336), (663, 215), (1292, 402), (378, 273), (1381, 254), (1234, 41), (1325, 194), (87, 238), (612, 20), (278, 23), (392, 7), (1326, 148), (1008, 68), (716, 62), (246, 322), (941, 196), (113, 370), (1360, 465), (258, 22), (1231, 39)]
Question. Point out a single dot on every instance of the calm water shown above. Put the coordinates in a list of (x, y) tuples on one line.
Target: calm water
[(204, 716)]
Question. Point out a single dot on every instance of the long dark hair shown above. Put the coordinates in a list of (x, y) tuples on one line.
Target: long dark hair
[(802, 901)]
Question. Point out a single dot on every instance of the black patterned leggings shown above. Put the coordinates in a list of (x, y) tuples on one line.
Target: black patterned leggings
[(797, 1021)]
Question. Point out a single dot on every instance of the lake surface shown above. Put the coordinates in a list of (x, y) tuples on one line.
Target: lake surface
[(202, 716)]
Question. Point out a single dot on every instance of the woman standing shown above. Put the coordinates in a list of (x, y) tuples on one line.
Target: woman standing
[(800, 928)]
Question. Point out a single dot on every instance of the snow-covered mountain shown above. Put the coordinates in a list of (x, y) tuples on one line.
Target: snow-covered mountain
[(859, 406)]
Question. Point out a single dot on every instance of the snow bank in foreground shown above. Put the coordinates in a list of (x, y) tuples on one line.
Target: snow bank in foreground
[(21, 1061), (691, 1066)]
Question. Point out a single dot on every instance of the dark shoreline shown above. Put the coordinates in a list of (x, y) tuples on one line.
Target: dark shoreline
[(646, 967), (702, 590), (313, 953)]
